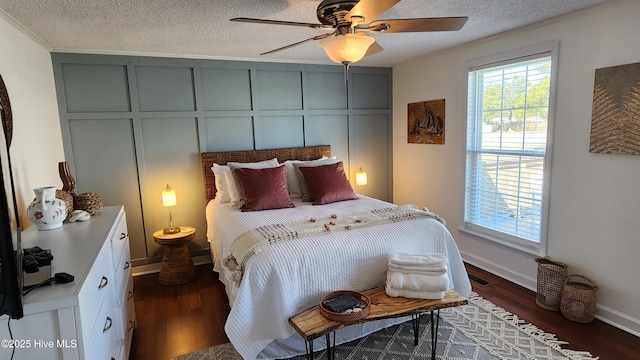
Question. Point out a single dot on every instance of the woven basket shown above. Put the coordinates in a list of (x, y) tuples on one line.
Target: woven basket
[(578, 301), (89, 202), (551, 279), (345, 317), (67, 198)]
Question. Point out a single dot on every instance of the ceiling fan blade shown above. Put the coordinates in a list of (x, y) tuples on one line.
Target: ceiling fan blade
[(368, 10), (373, 49), (419, 25), (279, 22), (319, 37)]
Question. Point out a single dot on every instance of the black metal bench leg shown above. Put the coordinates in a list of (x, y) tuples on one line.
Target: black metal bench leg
[(331, 350), (415, 321), (434, 333), (308, 346)]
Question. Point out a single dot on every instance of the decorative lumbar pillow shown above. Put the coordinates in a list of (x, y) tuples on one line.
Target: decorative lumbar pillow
[(305, 194), (234, 186), (264, 189), (222, 187), (328, 183)]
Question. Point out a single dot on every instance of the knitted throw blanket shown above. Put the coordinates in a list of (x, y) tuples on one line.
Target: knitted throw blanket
[(252, 241)]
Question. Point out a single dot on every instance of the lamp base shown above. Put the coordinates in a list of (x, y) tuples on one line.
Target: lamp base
[(171, 230)]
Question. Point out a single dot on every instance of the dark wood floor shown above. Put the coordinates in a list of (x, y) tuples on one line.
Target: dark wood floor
[(174, 320)]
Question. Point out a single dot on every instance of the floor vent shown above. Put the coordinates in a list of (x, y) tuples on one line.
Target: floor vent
[(478, 280)]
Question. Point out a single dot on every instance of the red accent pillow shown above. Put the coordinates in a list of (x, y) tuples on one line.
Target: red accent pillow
[(328, 183), (264, 189)]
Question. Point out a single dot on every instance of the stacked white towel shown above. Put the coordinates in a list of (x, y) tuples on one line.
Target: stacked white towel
[(417, 276)]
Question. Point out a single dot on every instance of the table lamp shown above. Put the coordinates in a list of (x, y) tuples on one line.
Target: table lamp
[(361, 177), (169, 200)]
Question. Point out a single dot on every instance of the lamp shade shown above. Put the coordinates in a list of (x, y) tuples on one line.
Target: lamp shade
[(361, 177), (347, 48), (169, 197)]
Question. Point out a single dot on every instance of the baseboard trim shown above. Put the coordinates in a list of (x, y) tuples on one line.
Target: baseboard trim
[(514, 277), (610, 316), (618, 319), (155, 267)]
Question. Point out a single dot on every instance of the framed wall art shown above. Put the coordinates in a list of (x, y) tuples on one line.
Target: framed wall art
[(615, 116), (426, 122)]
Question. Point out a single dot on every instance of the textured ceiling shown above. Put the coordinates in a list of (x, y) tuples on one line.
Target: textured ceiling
[(201, 28)]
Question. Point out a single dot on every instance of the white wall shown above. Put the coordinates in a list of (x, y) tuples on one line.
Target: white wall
[(594, 224), (25, 66)]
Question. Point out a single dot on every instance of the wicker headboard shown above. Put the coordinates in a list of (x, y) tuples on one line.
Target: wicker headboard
[(221, 158)]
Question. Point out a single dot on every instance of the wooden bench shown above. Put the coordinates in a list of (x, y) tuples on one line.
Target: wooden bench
[(311, 324)]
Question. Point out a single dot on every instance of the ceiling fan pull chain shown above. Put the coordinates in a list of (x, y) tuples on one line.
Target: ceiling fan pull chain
[(346, 71)]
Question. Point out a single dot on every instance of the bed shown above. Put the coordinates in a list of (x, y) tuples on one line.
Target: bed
[(286, 277)]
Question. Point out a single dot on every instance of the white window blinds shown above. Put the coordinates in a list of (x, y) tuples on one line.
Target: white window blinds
[(508, 114)]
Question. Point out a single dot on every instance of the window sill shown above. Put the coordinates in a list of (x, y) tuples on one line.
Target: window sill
[(530, 250)]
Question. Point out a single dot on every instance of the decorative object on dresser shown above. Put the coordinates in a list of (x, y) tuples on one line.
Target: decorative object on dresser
[(68, 186), (47, 212), (68, 200), (89, 202), (68, 182), (177, 265), (95, 313)]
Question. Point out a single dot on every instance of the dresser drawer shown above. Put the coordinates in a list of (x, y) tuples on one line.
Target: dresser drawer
[(128, 315), (98, 285), (119, 240), (123, 272), (104, 342)]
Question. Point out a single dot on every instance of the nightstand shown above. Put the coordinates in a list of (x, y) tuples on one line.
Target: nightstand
[(177, 266)]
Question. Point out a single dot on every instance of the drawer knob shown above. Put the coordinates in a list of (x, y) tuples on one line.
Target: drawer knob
[(103, 283), (107, 325), (127, 265), (122, 236), (130, 295), (131, 326)]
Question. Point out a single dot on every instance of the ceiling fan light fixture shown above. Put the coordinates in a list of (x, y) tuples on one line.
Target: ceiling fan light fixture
[(346, 48)]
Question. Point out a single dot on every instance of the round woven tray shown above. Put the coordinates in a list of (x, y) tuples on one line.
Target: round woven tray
[(346, 317)]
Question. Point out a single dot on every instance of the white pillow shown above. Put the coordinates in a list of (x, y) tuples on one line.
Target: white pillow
[(222, 186), (292, 181), (305, 193), (234, 185)]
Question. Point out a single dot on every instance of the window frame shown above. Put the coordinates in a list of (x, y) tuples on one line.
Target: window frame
[(492, 236)]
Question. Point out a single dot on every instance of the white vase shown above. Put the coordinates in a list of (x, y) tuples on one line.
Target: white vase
[(47, 212)]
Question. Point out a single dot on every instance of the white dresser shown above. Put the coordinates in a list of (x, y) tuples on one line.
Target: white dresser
[(92, 317)]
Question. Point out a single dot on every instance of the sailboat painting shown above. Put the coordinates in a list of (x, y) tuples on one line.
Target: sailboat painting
[(426, 122)]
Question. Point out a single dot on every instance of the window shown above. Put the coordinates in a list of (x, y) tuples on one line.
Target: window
[(508, 124)]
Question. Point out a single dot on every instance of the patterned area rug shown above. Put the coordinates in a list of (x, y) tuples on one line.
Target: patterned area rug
[(479, 330)]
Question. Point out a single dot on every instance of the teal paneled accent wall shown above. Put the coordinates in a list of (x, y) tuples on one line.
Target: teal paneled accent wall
[(131, 125)]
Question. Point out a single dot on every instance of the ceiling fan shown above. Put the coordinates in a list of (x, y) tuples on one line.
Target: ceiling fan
[(348, 23)]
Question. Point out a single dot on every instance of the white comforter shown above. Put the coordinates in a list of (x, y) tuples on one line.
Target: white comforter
[(291, 276)]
